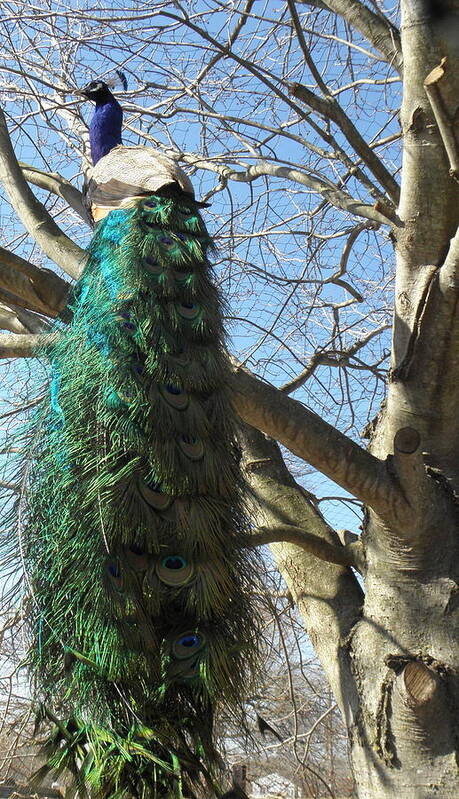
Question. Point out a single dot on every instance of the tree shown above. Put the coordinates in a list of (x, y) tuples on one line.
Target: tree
[(291, 113)]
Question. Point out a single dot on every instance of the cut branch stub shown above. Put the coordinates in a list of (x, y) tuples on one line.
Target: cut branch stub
[(419, 684), (420, 713), (409, 465), (407, 440)]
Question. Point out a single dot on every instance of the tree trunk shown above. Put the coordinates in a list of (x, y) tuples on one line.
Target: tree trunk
[(404, 652)]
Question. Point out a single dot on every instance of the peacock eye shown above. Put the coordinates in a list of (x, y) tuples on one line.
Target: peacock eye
[(188, 310), (175, 571), (114, 574), (192, 447), (175, 396), (174, 562), (187, 644), (151, 203), (189, 641), (113, 570)]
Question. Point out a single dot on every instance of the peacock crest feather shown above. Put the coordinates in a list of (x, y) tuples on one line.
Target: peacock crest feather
[(142, 586)]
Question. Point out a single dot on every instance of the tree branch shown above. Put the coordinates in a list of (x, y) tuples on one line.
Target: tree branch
[(56, 184), (333, 195), (330, 358), (34, 216), (381, 33), (328, 596), (9, 320), (329, 108), (22, 345), (289, 533), (446, 125), (20, 320), (317, 442), (30, 287), (271, 83)]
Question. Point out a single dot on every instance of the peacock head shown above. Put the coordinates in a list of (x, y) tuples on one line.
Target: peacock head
[(97, 91)]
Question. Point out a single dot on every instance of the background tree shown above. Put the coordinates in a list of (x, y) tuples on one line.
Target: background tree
[(291, 120)]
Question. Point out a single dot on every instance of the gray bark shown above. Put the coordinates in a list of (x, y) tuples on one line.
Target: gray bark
[(404, 651), (392, 657)]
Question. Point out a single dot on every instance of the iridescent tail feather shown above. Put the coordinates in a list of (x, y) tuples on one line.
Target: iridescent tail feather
[(135, 542)]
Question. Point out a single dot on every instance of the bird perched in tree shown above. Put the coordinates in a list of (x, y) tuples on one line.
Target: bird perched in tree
[(106, 123), (135, 542)]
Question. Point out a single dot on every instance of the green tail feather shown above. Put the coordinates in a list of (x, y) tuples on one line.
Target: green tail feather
[(142, 611)]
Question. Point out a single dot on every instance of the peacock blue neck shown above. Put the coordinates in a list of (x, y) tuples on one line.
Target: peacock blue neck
[(105, 126)]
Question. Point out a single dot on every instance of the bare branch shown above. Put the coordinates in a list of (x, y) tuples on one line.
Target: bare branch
[(10, 321), (21, 346), (19, 320), (56, 184), (333, 195), (289, 533), (326, 357), (305, 49), (445, 124), (382, 34), (328, 595), (311, 438), (31, 287), (36, 219), (270, 81), (329, 108)]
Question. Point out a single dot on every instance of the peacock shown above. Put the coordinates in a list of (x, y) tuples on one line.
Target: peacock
[(140, 576)]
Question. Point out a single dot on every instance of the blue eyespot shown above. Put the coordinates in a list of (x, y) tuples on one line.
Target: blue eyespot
[(173, 389), (188, 310), (113, 570), (189, 641), (154, 485), (187, 644), (174, 562), (175, 571)]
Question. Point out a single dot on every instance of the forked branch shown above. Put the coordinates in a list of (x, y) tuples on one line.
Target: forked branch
[(329, 108), (33, 214)]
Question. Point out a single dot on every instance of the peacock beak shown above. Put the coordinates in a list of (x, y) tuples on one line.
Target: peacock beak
[(83, 93)]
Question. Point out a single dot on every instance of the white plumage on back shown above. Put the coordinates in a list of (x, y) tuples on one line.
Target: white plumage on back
[(127, 173)]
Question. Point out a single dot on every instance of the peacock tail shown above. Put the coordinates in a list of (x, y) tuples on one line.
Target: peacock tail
[(141, 582)]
